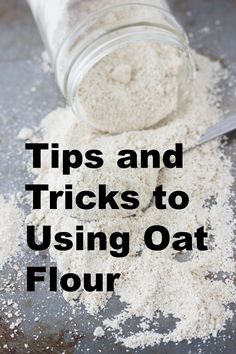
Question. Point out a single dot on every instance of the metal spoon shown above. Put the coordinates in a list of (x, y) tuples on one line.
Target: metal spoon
[(225, 126)]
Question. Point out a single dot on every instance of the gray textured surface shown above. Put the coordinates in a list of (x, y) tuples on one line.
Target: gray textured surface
[(20, 70)]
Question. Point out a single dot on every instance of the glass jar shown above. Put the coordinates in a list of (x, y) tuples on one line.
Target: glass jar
[(122, 65)]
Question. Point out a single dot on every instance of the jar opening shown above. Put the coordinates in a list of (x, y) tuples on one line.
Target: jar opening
[(107, 32)]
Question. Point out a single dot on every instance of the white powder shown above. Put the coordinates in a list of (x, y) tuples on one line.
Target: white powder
[(10, 230), (189, 286), (46, 62), (133, 88), (25, 134), (98, 332)]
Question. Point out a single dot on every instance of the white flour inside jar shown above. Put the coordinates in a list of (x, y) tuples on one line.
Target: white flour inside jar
[(195, 289), (132, 88)]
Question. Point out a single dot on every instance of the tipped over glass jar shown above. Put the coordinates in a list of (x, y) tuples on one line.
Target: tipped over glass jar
[(122, 65)]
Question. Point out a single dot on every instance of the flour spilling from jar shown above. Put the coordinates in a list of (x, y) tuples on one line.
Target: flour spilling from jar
[(194, 290), (117, 84)]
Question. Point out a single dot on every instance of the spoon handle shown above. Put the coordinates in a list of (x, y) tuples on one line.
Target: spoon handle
[(225, 126)]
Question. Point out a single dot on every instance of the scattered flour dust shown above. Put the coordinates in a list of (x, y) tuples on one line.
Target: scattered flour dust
[(98, 332), (25, 134), (195, 288), (46, 62), (11, 221)]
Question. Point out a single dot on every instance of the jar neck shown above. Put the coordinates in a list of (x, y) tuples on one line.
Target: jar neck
[(109, 30)]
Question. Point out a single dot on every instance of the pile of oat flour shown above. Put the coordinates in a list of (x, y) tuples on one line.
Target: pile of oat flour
[(195, 289), (11, 229)]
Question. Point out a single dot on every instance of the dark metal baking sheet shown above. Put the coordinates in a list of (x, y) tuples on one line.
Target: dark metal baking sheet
[(20, 70)]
